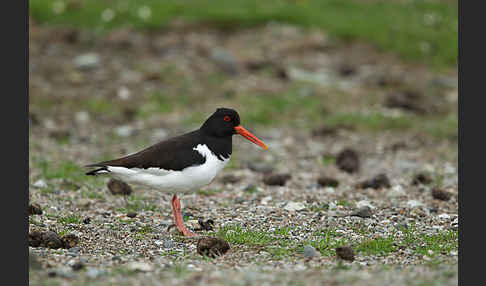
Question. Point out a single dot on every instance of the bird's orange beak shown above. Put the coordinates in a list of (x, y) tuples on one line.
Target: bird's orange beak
[(245, 133)]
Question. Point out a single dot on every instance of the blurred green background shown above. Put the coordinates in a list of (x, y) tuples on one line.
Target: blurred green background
[(419, 30)]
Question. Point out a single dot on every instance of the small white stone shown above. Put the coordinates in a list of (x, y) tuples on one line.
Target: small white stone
[(437, 227), (140, 266), (396, 191), (413, 204), (329, 190), (124, 93), (300, 267), (332, 206), (93, 272), (40, 184), (364, 203), (50, 124), (294, 206), (265, 200), (87, 61), (444, 216), (449, 169), (124, 130), (81, 117)]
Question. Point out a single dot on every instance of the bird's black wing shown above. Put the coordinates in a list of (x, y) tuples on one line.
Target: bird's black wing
[(175, 154)]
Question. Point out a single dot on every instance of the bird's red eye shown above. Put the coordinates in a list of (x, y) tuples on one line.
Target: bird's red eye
[(227, 118)]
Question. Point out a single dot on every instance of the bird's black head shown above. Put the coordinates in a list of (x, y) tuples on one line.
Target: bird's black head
[(225, 122), (222, 123)]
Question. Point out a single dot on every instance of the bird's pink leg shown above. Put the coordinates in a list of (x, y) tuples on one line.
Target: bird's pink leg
[(176, 208)]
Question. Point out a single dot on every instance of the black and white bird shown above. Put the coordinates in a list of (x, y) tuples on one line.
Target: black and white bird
[(184, 163)]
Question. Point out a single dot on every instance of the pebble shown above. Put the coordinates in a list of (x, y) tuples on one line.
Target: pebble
[(212, 246), (140, 266), (276, 179), (363, 212), (396, 191), (117, 187), (327, 182), (260, 167), (51, 239), (442, 195), (348, 160), (131, 214), (345, 253), (35, 209), (125, 130), (300, 267), (81, 117), (123, 93), (265, 200), (87, 61), (310, 252), (225, 60), (77, 266), (414, 204), (332, 206), (294, 206), (75, 249), (329, 190), (323, 78), (230, 179), (70, 240), (93, 272), (40, 184), (168, 243), (377, 182), (364, 203), (421, 179), (444, 216), (407, 100)]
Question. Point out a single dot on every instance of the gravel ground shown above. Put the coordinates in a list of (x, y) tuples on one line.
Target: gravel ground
[(402, 228)]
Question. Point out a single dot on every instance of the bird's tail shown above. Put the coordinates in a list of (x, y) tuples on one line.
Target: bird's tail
[(98, 171)]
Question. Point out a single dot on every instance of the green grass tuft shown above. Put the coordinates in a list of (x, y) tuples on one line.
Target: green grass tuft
[(70, 219)]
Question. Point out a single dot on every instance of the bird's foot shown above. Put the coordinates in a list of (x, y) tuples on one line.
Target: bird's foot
[(179, 222)]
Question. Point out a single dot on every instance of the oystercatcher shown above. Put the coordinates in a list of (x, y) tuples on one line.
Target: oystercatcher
[(183, 163)]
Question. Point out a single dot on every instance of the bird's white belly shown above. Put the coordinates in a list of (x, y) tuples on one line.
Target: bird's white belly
[(189, 179)]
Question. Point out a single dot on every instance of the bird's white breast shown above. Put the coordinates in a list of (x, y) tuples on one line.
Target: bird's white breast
[(186, 180)]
